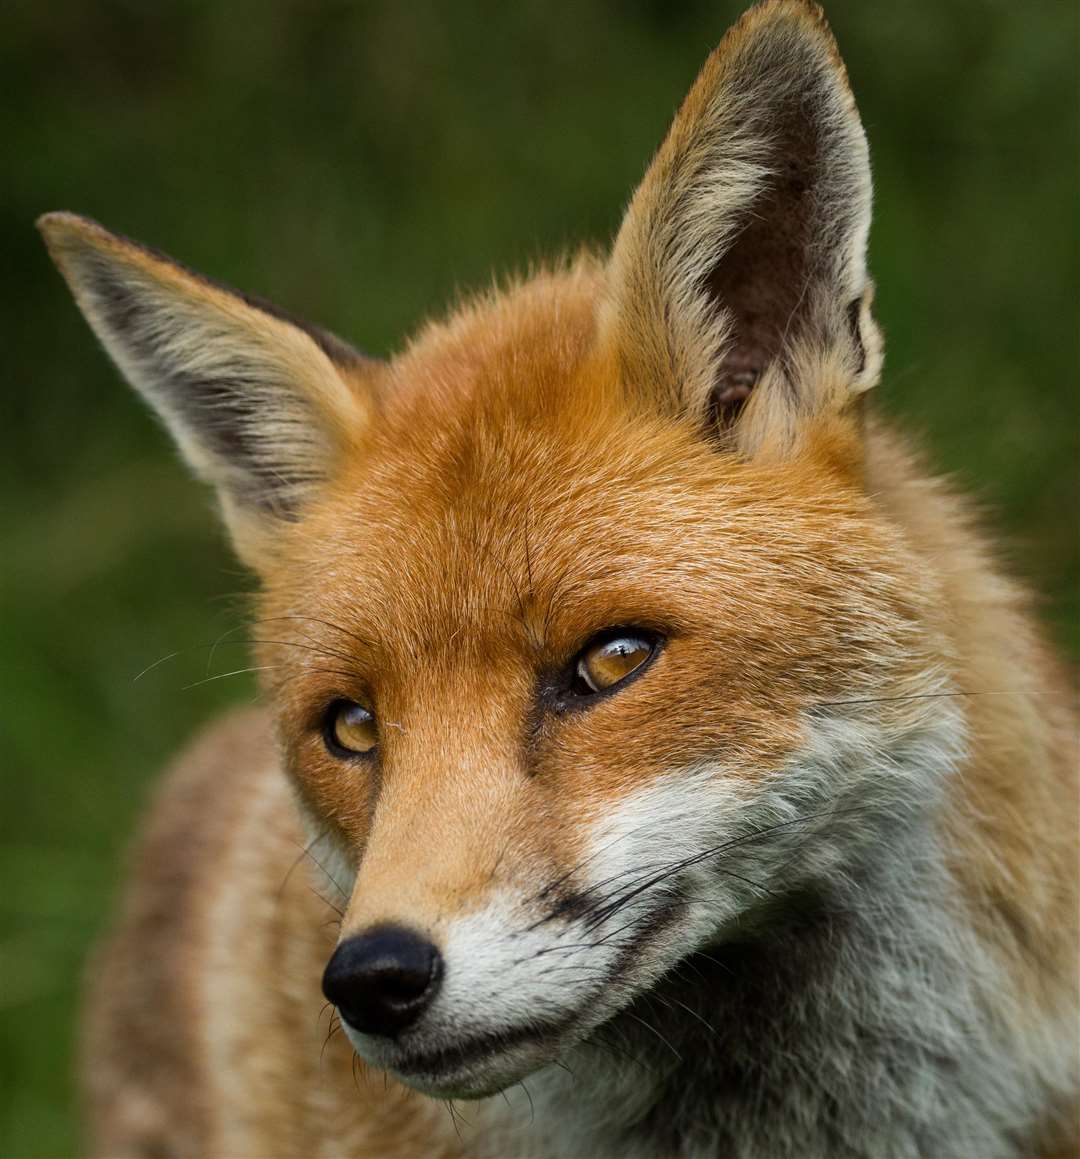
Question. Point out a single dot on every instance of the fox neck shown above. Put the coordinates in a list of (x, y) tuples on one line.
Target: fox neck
[(836, 1025)]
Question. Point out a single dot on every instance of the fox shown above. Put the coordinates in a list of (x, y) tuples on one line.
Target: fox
[(652, 760)]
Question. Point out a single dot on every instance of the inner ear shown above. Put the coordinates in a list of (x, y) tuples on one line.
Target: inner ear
[(261, 406), (739, 270), (763, 281)]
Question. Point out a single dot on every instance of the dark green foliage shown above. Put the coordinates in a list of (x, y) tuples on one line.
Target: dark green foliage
[(359, 164)]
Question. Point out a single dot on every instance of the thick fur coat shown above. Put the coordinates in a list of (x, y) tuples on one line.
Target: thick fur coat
[(801, 884)]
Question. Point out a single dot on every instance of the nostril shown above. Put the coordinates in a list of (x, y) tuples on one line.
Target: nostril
[(382, 980)]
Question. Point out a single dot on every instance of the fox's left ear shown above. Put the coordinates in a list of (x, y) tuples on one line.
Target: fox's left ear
[(738, 290), (261, 406)]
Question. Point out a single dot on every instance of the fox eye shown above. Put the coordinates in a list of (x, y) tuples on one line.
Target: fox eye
[(611, 659), (349, 729)]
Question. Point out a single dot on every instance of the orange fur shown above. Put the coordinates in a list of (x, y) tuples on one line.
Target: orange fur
[(534, 468)]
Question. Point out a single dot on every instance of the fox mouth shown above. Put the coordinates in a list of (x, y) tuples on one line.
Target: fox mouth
[(447, 1063), (482, 1064), (486, 1063)]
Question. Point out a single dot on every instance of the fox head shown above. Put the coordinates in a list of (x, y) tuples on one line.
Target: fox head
[(587, 636)]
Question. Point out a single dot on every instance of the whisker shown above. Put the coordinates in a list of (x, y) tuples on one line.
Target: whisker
[(537, 643), (601, 1039), (156, 664), (325, 623), (553, 885), (327, 902), (504, 568), (715, 961), (306, 851), (649, 1026), (289, 872), (226, 675), (532, 1107), (620, 901), (222, 641), (449, 1104), (212, 650), (748, 881), (326, 1041), (935, 696), (668, 999), (332, 653)]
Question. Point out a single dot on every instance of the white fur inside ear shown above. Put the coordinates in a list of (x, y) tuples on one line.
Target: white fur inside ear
[(254, 402), (746, 241), (243, 396)]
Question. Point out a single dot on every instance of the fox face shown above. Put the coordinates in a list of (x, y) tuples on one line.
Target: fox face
[(588, 640), (570, 694)]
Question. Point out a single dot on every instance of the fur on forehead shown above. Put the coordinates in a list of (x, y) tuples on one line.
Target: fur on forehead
[(508, 460), (735, 303)]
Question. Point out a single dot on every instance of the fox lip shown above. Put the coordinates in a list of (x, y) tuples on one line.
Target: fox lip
[(470, 1051), (480, 1065)]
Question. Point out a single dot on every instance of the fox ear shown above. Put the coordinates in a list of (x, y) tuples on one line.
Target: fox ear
[(260, 406), (738, 290)]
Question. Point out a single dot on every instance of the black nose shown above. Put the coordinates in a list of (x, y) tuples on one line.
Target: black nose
[(383, 980)]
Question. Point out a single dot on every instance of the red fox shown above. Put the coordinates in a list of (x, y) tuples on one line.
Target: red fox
[(654, 762)]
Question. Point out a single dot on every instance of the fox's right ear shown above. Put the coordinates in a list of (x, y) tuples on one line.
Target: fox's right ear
[(739, 294), (259, 405)]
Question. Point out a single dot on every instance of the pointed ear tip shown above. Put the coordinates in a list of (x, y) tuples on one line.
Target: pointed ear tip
[(62, 230), (58, 221), (801, 10), (807, 15), (802, 19)]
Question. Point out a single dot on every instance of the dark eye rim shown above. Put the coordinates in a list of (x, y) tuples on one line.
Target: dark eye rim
[(327, 729), (567, 699)]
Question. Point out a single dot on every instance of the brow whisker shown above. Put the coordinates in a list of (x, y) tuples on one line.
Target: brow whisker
[(325, 623), (157, 663), (226, 675)]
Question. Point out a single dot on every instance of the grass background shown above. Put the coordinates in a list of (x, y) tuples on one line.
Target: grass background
[(358, 164)]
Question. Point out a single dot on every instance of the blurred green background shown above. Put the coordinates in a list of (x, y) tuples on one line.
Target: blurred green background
[(359, 164)]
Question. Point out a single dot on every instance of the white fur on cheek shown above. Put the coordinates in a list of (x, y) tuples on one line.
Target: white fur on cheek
[(667, 871), (509, 965), (514, 965)]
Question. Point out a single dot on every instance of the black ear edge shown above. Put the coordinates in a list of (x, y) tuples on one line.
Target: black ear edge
[(256, 443), (57, 222)]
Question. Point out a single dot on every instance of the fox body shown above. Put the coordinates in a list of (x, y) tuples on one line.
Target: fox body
[(651, 747)]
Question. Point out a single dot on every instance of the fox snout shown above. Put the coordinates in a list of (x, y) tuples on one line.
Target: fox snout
[(382, 980)]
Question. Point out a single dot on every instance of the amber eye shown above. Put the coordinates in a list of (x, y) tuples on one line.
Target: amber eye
[(611, 659), (350, 729)]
